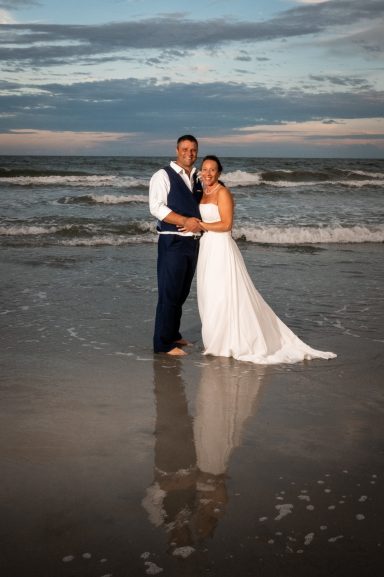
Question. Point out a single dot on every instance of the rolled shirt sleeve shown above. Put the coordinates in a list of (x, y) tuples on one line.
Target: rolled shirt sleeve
[(159, 187)]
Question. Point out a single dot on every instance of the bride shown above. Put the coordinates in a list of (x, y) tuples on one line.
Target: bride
[(236, 321)]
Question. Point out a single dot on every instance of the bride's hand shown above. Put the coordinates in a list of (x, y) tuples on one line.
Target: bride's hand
[(191, 224)]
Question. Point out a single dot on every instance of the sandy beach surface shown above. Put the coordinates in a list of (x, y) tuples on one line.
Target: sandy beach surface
[(117, 462)]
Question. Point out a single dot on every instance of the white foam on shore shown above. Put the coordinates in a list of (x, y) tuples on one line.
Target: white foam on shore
[(334, 539), (68, 558), (73, 333), (183, 552), (153, 504), (152, 568), (309, 538), (304, 497), (284, 510)]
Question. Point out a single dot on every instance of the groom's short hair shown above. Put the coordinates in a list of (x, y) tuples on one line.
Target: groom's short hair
[(187, 137)]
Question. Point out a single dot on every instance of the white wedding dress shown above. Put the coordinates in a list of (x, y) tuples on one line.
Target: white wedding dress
[(236, 321)]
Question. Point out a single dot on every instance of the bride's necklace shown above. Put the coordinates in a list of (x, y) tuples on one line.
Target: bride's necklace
[(212, 191)]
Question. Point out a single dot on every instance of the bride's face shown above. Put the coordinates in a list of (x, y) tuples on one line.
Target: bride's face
[(209, 172)]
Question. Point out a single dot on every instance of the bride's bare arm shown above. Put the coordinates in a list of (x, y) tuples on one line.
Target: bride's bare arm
[(226, 205)]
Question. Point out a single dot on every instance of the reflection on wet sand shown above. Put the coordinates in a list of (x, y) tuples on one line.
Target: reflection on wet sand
[(189, 494), (170, 499)]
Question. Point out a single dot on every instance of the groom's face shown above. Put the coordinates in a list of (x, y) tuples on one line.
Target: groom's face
[(186, 153)]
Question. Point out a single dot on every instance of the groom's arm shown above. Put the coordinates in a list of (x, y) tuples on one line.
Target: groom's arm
[(159, 187)]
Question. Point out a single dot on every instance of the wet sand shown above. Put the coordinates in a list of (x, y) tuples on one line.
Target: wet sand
[(117, 462)]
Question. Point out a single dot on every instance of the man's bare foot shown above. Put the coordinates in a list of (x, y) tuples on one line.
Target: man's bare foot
[(176, 352), (183, 343)]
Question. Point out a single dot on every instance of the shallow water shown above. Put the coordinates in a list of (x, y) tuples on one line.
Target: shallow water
[(118, 462)]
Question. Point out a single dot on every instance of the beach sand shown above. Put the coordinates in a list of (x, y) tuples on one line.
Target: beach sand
[(117, 462)]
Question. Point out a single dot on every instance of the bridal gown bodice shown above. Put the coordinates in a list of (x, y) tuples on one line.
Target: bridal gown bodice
[(210, 212), (236, 320)]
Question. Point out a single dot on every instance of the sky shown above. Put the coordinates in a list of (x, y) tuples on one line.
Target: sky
[(263, 78)]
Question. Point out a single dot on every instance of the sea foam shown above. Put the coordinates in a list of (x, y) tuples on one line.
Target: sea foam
[(309, 235)]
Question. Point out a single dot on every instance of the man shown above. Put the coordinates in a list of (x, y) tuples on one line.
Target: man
[(174, 196)]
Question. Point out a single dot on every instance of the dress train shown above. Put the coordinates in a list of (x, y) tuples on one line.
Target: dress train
[(236, 320)]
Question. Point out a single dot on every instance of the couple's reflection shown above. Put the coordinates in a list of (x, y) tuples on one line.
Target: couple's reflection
[(189, 493)]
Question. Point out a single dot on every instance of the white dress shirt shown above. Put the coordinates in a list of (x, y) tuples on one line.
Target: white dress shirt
[(159, 188)]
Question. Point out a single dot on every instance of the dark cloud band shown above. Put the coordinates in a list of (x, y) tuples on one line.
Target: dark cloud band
[(46, 44)]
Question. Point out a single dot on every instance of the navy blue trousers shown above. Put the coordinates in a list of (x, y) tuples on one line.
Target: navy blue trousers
[(176, 265)]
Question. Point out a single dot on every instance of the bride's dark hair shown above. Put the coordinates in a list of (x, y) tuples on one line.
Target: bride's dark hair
[(219, 165), (215, 159)]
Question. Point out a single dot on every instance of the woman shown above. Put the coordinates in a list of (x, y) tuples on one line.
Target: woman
[(236, 321)]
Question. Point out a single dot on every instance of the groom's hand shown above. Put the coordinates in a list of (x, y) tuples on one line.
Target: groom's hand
[(191, 224)]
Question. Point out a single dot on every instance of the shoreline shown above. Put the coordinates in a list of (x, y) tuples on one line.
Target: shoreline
[(116, 461)]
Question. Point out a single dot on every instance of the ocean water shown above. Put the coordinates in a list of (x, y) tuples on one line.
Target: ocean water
[(86, 404), (78, 249), (96, 201)]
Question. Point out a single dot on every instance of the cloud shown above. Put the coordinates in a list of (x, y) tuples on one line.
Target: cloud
[(369, 41), (243, 57), (156, 108), (60, 142), (5, 17), (315, 138), (133, 105), (18, 4), (341, 80), (310, 1), (45, 44)]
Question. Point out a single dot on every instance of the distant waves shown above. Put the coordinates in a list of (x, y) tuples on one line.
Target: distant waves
[(103, 201), (233, 179), (71, 180), (310, 234), (106, 233)]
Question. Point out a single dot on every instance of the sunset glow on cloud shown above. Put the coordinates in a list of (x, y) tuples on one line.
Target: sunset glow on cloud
[(52, 142), (301, 73)]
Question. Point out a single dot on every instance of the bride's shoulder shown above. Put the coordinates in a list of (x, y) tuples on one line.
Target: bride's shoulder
[(224, 192)]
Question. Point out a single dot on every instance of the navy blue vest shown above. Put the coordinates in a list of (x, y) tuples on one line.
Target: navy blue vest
[(181, 199)]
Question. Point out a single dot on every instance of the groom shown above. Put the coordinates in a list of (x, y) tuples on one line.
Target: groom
[(174, 196)]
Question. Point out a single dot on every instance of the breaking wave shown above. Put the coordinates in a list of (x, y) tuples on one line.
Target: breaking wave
[(88, 234), (73, 180), (297, 178), (103, 199), (309, 235)]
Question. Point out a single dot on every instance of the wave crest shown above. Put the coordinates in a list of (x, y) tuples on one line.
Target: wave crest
[(309, 235), (94, 181), (284, 178), (103, 199)]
